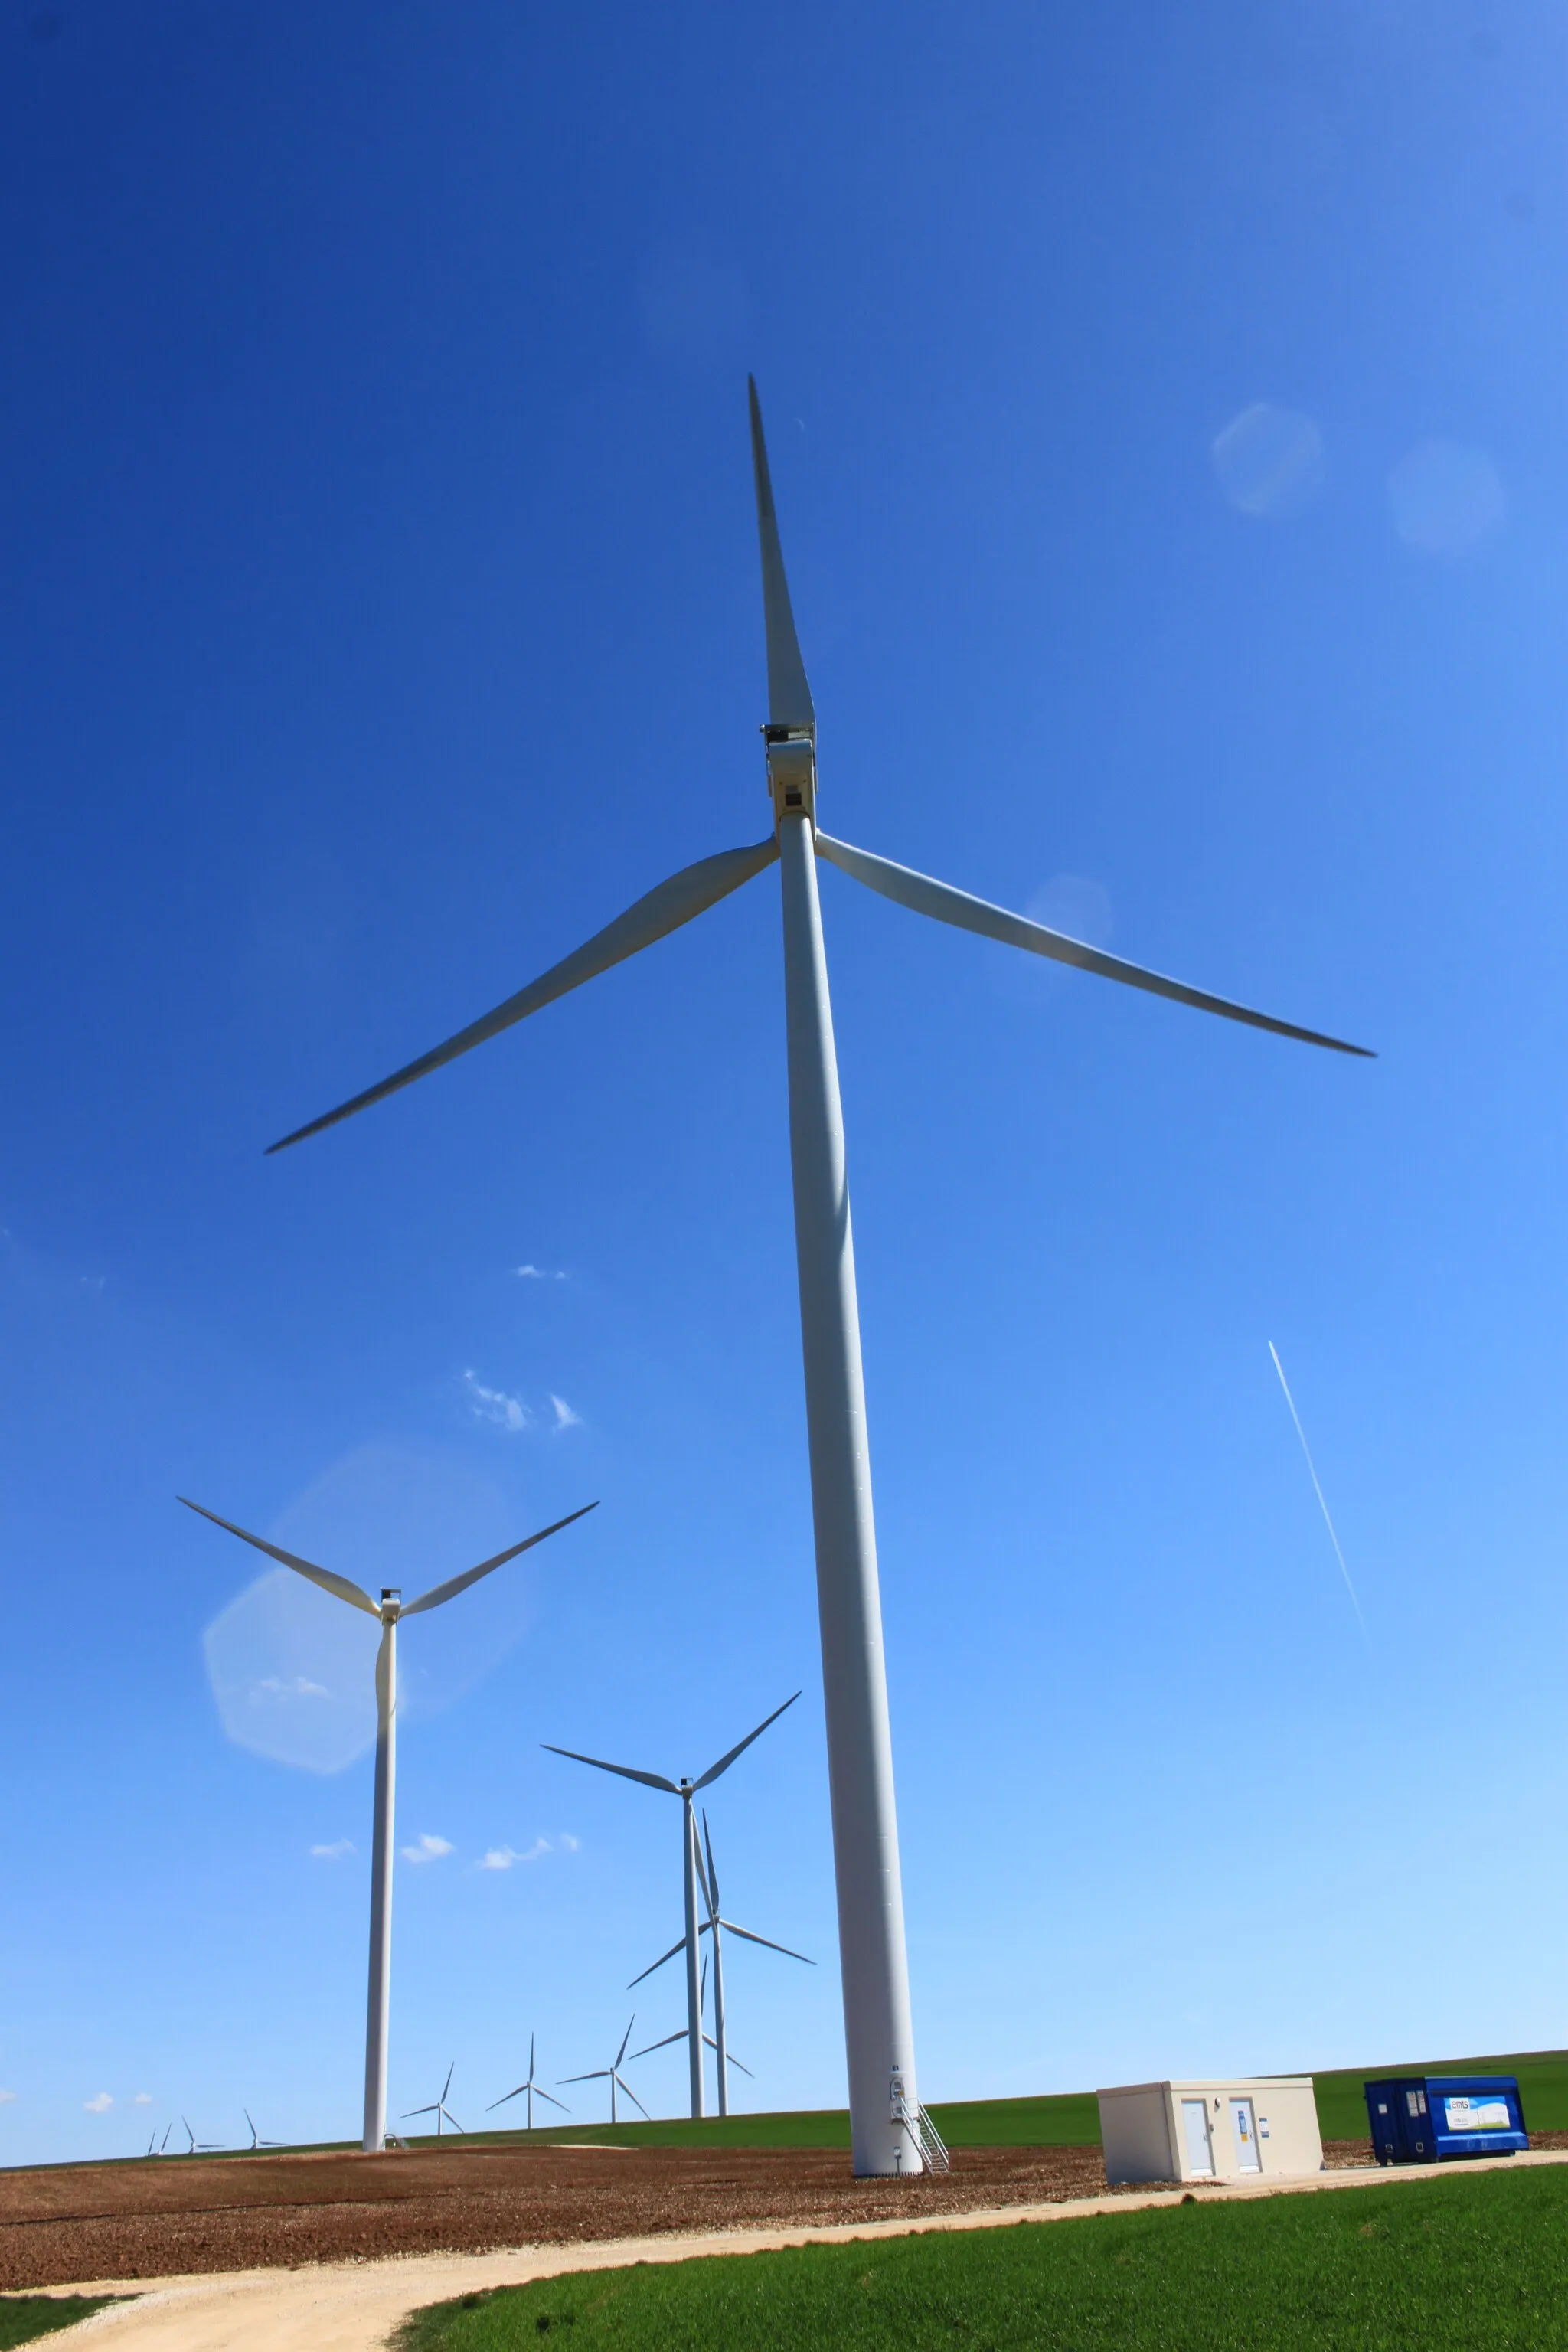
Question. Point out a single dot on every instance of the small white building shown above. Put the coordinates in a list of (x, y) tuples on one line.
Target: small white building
[(1212, 2131)]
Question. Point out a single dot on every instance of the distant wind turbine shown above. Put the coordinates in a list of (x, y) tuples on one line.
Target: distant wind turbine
[(724, 2058), (388, 1613), (877, 2030), (689, 1866), (438, 2107), (529, 2090), (1317, 1488), (717, 1928), (612, 2073)]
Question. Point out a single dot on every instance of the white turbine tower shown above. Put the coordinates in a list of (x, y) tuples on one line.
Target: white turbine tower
[(529, 2089), (878, 2038), (690, 1866), (718, 1927), (612, 2073), (388, 1613)]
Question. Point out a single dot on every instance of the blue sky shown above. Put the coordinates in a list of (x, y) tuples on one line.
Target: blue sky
[(1165, 416)]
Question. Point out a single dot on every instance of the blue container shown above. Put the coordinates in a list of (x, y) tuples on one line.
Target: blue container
[(1434, 2118)]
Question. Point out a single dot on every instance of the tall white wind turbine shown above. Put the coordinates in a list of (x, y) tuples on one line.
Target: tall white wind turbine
[(879, 2037), (611, 2074), (691, 1869), (436, 2107), (716, 1926), (531, 2090), (388, 1613)]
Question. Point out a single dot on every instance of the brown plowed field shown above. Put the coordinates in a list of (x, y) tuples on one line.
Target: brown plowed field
[(154, 2219)]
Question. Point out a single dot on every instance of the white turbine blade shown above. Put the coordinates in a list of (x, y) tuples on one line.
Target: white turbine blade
[(946, 904), (324, 1577), (731, 1929), (650, 1780), (659, 1963), (789, 696), (634, 2098), (455, 1584), (741, 1746), (1317, 1488), (685, 895), (713, 1889), (649, 2046)]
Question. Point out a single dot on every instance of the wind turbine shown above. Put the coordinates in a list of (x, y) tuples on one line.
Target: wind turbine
[(438, 2107), (529, 2089), (879, 2035), (690, 1865), (612, 2072), (717, 1928), (387, 1611), (256, 2139), (682, 2033)]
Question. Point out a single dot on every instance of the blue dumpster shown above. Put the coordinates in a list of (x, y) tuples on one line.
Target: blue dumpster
[(1433, 2118)]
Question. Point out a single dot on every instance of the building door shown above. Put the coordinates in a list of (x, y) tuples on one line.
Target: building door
[(1243, 2126), (1195, 2140)]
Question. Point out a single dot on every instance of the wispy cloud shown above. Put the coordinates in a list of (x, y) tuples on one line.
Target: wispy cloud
[(333, 1852), (502, 1857), (144, 2098), (565, 1416), (98, 2106), (429, 1849), (538, 1274), (494, 1404)]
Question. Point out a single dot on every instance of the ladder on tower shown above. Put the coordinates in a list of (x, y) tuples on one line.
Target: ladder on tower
[(917, 2122)]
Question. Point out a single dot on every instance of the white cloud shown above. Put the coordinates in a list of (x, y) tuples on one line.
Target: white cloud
[(6, 2097), (429, 1849), (537, 1274), (502, 1857), (98, 2106), (494, 1404), (144, 2098), (333, 1852), (565, 1416)]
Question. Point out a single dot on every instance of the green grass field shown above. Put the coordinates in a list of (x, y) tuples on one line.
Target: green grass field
[(24, 2317), (1069, 2120), (1452, 2264)]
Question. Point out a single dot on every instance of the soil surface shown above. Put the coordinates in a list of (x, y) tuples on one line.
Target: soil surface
[(161, 2218)]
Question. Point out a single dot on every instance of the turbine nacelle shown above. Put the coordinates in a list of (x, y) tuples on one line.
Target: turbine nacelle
[(792, 772)]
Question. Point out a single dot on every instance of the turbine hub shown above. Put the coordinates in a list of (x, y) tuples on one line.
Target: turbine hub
[(792, 772)]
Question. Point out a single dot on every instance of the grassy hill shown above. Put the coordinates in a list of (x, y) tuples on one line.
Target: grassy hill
[(1068, 2119)]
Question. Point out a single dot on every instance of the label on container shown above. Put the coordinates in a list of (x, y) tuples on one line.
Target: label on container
[(1478, 2115)]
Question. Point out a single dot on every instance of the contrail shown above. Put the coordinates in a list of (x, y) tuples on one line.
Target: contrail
[(1316, 1488)]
